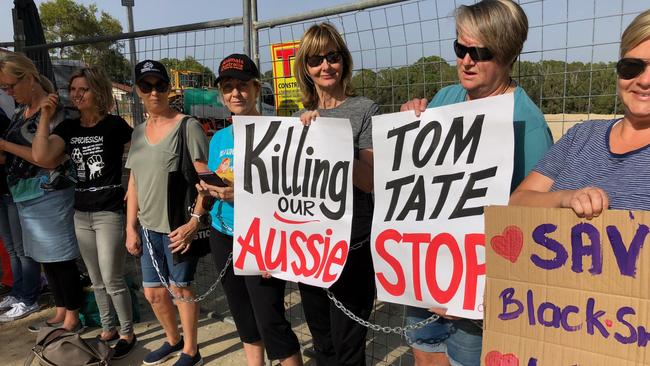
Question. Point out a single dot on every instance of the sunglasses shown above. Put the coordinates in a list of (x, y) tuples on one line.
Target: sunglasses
[(145, 87), (333, 57), (629, 68), (475, 53)]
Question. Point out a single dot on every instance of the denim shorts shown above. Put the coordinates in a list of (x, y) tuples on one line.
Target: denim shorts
[(462, 348), (179, 275)]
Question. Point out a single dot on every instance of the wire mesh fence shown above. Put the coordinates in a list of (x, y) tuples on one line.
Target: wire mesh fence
[(400, 51)]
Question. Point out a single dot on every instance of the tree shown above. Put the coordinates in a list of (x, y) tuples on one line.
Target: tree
[(65, 20)]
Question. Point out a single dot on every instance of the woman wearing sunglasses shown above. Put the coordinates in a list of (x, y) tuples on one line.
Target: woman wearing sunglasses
[(256, 303), (613, 155), (95, 141), (43, 193), (490, 36), (152, 157), (323, 68)]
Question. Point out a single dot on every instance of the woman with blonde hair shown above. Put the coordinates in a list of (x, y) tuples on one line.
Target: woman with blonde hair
[(323, 68), (43, 192), (96, 142), (490, 35)]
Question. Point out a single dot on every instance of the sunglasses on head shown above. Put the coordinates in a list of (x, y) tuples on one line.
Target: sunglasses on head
[(333, 57), (629, 68), (147, 87), (475, 53)]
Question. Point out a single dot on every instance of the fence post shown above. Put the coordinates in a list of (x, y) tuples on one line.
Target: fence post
[(246, 19), (136, 111)]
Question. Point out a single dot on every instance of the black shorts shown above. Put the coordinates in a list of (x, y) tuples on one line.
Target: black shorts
[(256, 304)]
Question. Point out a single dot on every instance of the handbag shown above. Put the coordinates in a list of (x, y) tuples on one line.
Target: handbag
[(181, 196), (60, 347)]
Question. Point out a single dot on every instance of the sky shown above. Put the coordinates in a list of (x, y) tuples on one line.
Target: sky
[(393, 36)]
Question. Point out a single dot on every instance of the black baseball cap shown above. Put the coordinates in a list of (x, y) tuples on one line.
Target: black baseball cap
[(151, 67), (238, 66)]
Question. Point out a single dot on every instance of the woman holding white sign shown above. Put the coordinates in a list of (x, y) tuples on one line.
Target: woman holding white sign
[(490, 36), (323, 68), (598, 165), (256, 303)]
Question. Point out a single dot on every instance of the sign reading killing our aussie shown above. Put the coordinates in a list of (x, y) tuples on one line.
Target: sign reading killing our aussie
[(293, 186), (566, 291), (287, 93), (433, 176)]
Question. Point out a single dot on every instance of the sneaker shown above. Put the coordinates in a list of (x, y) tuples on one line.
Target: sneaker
[(187, 360), (8, 302), (18, 311), (123, 348), (36, 327), (163, 353)]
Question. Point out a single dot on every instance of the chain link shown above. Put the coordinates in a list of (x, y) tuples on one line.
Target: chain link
[(377, 327), (166, 285)]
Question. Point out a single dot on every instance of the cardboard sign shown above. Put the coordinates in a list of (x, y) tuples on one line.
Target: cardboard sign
[(566, 291), (293, 211), (287, 94), (433, 176)]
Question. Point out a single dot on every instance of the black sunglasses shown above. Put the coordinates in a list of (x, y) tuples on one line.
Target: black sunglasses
[(146, 87), (475, 53), (333, 57), (629, 68)]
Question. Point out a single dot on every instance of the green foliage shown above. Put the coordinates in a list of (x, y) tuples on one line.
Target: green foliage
[(556, 86), (65, 20)]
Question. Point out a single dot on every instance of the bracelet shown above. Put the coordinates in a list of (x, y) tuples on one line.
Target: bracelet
[(196, 216), (41, 135)]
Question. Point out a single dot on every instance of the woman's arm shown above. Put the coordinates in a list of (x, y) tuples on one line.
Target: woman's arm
[(47, 149), (133, 244), (535, 191), (25, 152)]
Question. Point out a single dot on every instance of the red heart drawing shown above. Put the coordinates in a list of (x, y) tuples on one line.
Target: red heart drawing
[(495, 358), (509, 244), (609, 323)]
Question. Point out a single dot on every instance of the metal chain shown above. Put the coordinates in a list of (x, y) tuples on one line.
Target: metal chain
[(166, 285), (377, 327)]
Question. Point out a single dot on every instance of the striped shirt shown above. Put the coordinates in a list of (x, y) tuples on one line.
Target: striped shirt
[(582, 158)]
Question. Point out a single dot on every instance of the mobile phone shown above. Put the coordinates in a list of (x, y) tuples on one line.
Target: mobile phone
[(212, 179)]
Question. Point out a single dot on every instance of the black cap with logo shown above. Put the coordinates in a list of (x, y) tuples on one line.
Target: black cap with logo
[(238, 66), (150, 67)]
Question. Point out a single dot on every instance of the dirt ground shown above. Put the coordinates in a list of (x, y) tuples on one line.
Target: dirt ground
[(218, 340)]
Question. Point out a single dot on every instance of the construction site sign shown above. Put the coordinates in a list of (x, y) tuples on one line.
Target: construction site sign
[(566, 291), (287, 93)]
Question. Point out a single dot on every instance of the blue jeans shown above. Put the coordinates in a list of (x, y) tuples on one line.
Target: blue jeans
[(462, 348), (26, 272), (179, 274)]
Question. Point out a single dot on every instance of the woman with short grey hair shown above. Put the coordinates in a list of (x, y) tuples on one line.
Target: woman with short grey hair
[(489, 36)]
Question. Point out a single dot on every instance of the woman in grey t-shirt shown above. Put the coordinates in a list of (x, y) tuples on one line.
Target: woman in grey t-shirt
[(323, 68)]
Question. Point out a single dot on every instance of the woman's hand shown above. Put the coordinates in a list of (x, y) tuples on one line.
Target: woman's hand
[(133, 244), (418, 105), (182, 237), (308, 117), (588, 202), (48, 106), (223, 193)]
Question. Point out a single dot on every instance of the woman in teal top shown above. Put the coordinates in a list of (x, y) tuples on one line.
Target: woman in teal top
[(256, 302), (490, 36)]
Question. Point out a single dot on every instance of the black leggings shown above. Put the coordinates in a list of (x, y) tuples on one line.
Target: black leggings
[(63, 279), (256, 304)]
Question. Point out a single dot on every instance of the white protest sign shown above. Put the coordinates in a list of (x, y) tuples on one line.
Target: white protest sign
[(433, 175), (293, 198)]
